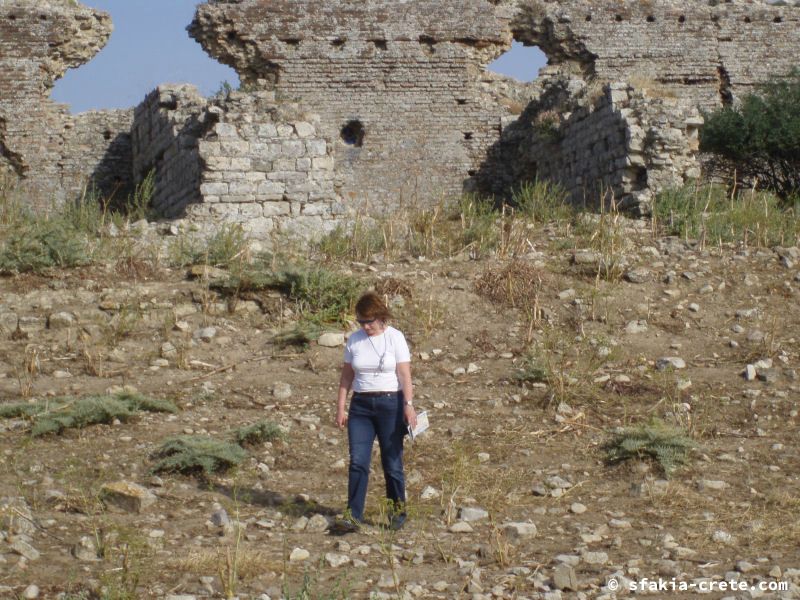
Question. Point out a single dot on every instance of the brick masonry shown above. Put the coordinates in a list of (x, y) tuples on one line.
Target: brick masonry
[(56, 156), (352, 106)]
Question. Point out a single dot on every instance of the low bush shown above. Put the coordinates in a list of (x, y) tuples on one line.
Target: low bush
[(667, 445), (258, 433), (196, 454), (34, 246), (57, 415)]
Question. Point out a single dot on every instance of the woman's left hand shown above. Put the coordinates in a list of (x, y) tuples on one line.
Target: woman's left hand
[(410, 415)]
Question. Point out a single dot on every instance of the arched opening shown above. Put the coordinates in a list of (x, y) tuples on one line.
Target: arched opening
[(521, 62), (149, 47)]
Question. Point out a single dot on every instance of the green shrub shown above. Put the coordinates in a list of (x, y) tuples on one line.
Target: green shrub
[(195, 454), (669, 446), (708, 213), (54, 416), (321, 295), (226, 248), (258, 433), (758, 139), (33, 247)]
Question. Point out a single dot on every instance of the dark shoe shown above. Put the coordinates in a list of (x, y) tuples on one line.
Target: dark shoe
[(396, 522), (345, 526)]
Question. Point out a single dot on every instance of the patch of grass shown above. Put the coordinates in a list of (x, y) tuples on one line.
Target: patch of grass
[(479, 231), (227, 248), (359, 242), (34, 246), (320, 295), (517, 285), (54, 416), (667, 445), (196, 454), (711, 215), (258, 433), (542, 202)]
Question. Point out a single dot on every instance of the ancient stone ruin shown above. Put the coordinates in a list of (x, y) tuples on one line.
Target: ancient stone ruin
[(350, 107)]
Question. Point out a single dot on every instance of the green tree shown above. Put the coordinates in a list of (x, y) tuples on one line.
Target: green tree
[(757, 141)]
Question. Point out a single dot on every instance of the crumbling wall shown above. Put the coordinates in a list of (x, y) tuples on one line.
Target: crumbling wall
[(614, 143), (618, 115), (166, 129), (243, 159), (51, 154), (400, 87)]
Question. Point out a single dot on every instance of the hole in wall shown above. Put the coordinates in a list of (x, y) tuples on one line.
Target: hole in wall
[(353, 133), (380, 44), (521, 62), (148, 51), (12, 17), (107, 134), (747, 19), (682, 19), (467, 135), (588, 18), (338, 43), (651, 19), (777, 20), (618, 18)]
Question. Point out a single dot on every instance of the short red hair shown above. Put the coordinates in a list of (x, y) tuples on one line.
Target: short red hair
[(372, 306)]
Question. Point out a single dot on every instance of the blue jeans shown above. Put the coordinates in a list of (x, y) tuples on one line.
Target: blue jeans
[(370, 417)]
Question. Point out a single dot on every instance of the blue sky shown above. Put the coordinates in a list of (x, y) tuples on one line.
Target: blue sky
[(150, 46)]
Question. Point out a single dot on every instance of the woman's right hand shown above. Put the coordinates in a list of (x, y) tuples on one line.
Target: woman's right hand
[(341, 417)]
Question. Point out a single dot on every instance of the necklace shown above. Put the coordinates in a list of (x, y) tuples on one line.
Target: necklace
[(381, 357)]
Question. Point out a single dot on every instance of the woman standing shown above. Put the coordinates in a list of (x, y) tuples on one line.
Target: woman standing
[(377, 366)]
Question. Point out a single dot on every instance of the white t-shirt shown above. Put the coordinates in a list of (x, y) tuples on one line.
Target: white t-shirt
[(374, 359)]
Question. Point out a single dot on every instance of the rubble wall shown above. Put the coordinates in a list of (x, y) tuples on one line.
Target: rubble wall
[(619, 111), (410, 74), (707, 51), (51, 154), (242, 159)]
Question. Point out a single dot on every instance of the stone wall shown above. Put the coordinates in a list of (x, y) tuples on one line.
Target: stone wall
[(242, 159), (707, 51), (166, 129), (51, 154), (407, 77), (609, 142), (618, 112), (406, 112)]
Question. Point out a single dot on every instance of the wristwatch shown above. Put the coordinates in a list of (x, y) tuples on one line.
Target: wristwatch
[(411, 404)]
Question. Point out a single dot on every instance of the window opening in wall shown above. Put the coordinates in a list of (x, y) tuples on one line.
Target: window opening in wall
[(521, 62), (142, 53), (353, 133)]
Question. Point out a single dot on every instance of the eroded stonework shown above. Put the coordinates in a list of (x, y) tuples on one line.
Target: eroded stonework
[(53, 154), (411, 74), (365, 106)]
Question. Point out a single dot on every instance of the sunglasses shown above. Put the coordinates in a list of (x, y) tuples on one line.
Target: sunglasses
[(365, 321)]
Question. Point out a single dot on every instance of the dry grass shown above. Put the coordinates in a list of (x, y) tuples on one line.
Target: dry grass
[(250, 562)]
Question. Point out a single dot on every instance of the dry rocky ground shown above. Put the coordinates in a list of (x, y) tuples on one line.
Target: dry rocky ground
[(509, 493)]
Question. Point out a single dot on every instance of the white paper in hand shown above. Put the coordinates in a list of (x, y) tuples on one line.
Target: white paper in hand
[(422, 425)]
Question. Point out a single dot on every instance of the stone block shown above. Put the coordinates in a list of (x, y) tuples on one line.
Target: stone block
[(304, 130), (225, 130), (214, 189), (315, 148), (293, 148), (127, 496), (271, 209)]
